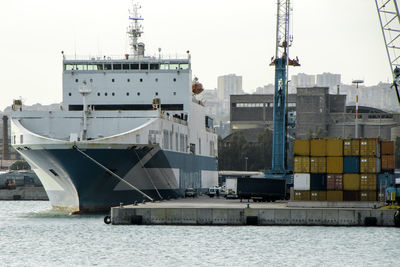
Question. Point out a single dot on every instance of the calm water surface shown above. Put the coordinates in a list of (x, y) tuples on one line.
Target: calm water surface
[(31, 234)]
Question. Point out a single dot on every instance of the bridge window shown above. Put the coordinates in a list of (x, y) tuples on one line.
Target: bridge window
[(117, 66), (164, 66), (173, 66), (154, 66), (134, 66), (81, 67), (69, 67), (144, 66), (125, 66), (107, 67), (184, 66)]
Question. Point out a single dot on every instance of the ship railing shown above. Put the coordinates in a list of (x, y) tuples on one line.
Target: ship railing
[(127, 57), (170, 117)]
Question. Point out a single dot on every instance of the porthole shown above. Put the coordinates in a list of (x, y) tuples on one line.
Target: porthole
[(128, 80), (174, 79), (91, 80), (141, 80), (113, 80), (156, 79), (105, 94), (69, 94), (98, 94), (156, 93), (76, 80), (138, 93), (113, 94), (127, 94), (174, 93)]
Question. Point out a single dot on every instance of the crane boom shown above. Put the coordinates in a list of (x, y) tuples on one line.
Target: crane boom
[(389, 19)]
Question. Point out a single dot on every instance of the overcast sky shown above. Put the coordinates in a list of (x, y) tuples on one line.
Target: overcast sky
[(223, 36)]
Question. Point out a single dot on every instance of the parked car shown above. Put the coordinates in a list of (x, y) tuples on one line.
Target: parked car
[(190, 192)]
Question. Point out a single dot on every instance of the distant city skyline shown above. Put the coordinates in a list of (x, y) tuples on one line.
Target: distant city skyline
[(337, 36)]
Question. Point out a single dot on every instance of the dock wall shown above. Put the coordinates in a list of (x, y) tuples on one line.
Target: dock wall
[(251, 216), (24, 193)]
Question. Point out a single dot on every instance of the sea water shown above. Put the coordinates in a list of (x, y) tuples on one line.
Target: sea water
[(31, 234)]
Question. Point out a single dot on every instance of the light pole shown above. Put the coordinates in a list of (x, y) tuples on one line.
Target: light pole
[(246, 158), (356, 120)]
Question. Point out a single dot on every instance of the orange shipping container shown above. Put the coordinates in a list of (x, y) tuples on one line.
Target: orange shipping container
[(388, 162), (334, 164), (368, 182), (318, 164), (370, 147), (318, 147), (367, 195), (351, 147), (302, 195), (301, 164), (334, 147), (387, 148), (334, 195), (301, 148), (318, 195), (351, 182)]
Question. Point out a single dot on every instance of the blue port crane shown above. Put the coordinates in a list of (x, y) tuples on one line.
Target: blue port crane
[(389, 19), (281, 61)]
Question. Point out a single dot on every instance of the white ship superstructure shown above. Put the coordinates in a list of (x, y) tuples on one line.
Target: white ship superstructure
[(129, 129)]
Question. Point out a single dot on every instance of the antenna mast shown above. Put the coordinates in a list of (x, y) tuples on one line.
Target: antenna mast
[(135, 30)]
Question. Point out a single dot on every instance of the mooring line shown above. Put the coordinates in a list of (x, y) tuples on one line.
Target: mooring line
[(110, 172)]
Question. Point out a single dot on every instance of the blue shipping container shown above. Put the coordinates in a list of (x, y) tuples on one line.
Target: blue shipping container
[(385, 180), (351, 164)]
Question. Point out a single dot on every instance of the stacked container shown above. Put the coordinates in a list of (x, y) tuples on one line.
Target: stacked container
[(342, 170)]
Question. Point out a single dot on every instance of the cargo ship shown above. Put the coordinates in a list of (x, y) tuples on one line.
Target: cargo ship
[(129, 129)]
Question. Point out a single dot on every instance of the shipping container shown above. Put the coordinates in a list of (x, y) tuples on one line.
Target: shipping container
[(334, 164), (301, 164), (351, 181), (301, 195), (388, 162), (318, 164), (370, 165), (301, 148), (334, 148), (334, 195), (385, 180), (387, 148), (368, 182), (317, 181), (367, 195), (351, 147), (318, 147), (351, 195), (261, 188), (334, 181), (318, 195), (351, 164), (370, 147), (301, 181)]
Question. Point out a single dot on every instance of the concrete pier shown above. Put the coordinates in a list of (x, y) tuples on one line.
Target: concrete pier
[(24, 193), (206, 211)]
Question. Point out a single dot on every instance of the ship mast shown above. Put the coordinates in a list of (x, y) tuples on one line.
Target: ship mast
[(135, 31)]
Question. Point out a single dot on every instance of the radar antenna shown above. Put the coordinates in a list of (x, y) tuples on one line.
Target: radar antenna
[(135, 30)]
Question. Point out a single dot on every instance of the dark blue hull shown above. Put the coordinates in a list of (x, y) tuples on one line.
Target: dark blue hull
[(75, 182)]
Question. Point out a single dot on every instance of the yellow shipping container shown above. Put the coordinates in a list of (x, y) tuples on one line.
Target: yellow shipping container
[(318, 147), (301, 164), (367, 195), (368, 182), (334, 148), (370, 147), (370, 165), (301, 148), (351, 182), (302, 195), (334, 164), (351, 147), (318, 195), (318, 164), (334, 195)]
